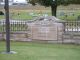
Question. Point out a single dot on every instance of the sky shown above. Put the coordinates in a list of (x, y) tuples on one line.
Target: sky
[(20, 1), (15, 1)]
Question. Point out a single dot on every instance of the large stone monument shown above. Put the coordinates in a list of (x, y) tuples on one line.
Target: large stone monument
[(46, 28)]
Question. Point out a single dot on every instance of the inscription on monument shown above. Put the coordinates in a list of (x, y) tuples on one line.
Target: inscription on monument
[(44, 29)]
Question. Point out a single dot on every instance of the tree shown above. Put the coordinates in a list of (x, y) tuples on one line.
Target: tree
[(1, 13), (54, 3)]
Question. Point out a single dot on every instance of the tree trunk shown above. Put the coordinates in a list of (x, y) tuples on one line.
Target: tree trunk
[(53, 10)]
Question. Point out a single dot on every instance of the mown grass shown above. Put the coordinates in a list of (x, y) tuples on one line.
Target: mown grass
[(2, 17), (41, 51), (27, 15), (31, 14)]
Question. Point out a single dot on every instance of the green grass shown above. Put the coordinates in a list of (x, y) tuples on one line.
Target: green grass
[(25, 14), (2, 17), (69, 14), (22, 16), (38, 51)]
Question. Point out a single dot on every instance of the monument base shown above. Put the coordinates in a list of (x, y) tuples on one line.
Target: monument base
[(11, 52)]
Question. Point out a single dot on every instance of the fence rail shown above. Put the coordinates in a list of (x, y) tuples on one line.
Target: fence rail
[(73, 26), (14, 26), (18, 26)]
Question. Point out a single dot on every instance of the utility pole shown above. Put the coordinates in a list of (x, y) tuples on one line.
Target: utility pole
[(7, 26), (6, 7)]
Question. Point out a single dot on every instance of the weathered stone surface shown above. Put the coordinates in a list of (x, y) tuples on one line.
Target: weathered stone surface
[(46, 28)]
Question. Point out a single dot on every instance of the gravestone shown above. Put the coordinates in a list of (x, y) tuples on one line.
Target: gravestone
[(31, 14), (46, 28), (62, 13)]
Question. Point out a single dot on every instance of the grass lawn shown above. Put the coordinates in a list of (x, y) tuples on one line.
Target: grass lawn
[(38, 51), (2, 17), (31, 14)]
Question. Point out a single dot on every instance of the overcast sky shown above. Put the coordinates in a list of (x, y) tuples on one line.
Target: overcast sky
[(19, 0)]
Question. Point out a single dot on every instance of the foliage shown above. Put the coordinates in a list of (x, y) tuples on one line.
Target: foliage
[(1, 13), (51, 2), (54, 3)]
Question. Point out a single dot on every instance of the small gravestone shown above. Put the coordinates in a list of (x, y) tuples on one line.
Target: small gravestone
[(62, 14), (31, 14), (46, 28), (45, 15)]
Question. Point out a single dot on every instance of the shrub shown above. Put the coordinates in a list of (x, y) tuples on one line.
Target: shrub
[(1, 13)]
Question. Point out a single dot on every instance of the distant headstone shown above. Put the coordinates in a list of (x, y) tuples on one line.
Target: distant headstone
[(39, 14), (70, 14), (62, 13), (45, 15), (31, 14)]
